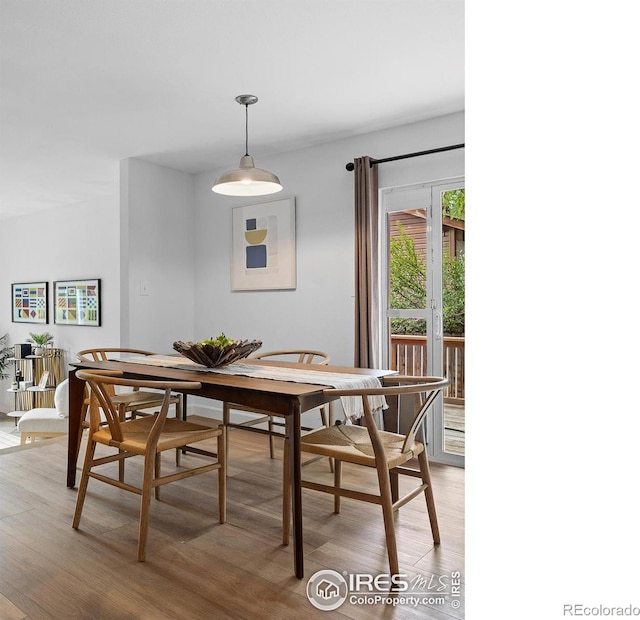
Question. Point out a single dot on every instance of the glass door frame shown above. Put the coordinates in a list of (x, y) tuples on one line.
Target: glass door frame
[(423, 196), (435, 346)]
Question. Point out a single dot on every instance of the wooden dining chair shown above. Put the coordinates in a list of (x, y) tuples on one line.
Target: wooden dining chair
[(146, 437), (300, 356), (386, 452), (129, 403)]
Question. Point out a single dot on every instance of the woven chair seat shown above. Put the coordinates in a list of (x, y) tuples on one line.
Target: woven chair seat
[(352, 443), (175, 433)]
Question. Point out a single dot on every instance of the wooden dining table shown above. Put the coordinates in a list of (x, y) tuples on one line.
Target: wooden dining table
[(286, 399)]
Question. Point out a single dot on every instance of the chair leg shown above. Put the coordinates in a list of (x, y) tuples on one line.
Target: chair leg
[(323, 416), (178, 417), (121, 415), (225, 423), (80, 437), (270, 427), (286, 489), (145, 501), (222, 477), (327, 421), (84, 481), (387, 515), (428, 493), (337, 483), (121, 469), (395, 485), (157, 475), (83, 420)]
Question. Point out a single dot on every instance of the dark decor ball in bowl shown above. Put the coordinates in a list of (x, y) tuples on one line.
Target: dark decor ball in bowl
[(214, 356)]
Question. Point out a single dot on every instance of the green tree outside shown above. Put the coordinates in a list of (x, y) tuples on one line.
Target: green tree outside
[(408, 277), (453, 204), (453, 294)]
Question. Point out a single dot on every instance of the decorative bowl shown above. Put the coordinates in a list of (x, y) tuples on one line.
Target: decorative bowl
[(214, 356)]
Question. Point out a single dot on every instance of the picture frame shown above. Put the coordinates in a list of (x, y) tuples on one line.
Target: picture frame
[(44, 377), (29, 302), (264, 246), (77, 302)]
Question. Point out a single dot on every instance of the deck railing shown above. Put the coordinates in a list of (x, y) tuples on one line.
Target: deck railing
[(409, 357)]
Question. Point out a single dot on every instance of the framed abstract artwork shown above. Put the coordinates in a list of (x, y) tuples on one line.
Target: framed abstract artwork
[(77, 302), (264, 246), (29, 302)]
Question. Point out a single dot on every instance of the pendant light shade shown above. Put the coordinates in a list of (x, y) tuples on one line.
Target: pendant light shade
[(246, 179)]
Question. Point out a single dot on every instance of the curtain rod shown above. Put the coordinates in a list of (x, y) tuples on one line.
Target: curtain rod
[(350, 166)]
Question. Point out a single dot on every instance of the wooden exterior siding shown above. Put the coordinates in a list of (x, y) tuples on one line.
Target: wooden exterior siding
[(414, 224)]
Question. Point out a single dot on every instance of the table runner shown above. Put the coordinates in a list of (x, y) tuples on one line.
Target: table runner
[(352, 405)]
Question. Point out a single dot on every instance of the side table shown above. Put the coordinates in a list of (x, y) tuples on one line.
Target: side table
[(15, 415)]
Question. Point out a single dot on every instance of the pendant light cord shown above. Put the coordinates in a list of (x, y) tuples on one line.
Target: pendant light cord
[(246, 129)]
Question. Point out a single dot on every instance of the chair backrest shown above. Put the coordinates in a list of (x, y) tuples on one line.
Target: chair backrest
[(61, 398), (102, 384), (424, 389), (102, 354), (304, 356)]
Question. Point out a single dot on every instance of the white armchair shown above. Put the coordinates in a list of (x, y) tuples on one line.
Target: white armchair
[(47, 422)]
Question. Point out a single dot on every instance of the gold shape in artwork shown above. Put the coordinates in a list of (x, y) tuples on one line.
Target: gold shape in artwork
[(254, 237)]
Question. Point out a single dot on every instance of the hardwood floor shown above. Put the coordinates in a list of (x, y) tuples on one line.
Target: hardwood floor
[(9, 435), (197, 568)]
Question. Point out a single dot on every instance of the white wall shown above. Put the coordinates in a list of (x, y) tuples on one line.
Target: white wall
[(158, 254), (74, 242)]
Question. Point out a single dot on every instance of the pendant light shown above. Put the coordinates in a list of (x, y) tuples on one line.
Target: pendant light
[(247, 180)]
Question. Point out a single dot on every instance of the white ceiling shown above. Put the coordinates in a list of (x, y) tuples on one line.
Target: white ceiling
[(86, 83)]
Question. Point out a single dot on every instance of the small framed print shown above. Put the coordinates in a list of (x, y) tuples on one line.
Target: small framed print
[(77, 302), (29, 302)]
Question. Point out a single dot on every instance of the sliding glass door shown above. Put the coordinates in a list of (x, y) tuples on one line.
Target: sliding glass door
[(423, 299)]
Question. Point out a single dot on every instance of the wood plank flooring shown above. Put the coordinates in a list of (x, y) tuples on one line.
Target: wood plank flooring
[(9, 435), (197, 568), (454, 428)]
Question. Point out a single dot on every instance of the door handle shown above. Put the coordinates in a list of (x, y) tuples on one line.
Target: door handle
[(437, 319)]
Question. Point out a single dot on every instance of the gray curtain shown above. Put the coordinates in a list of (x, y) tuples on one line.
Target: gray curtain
[(368, 353)]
